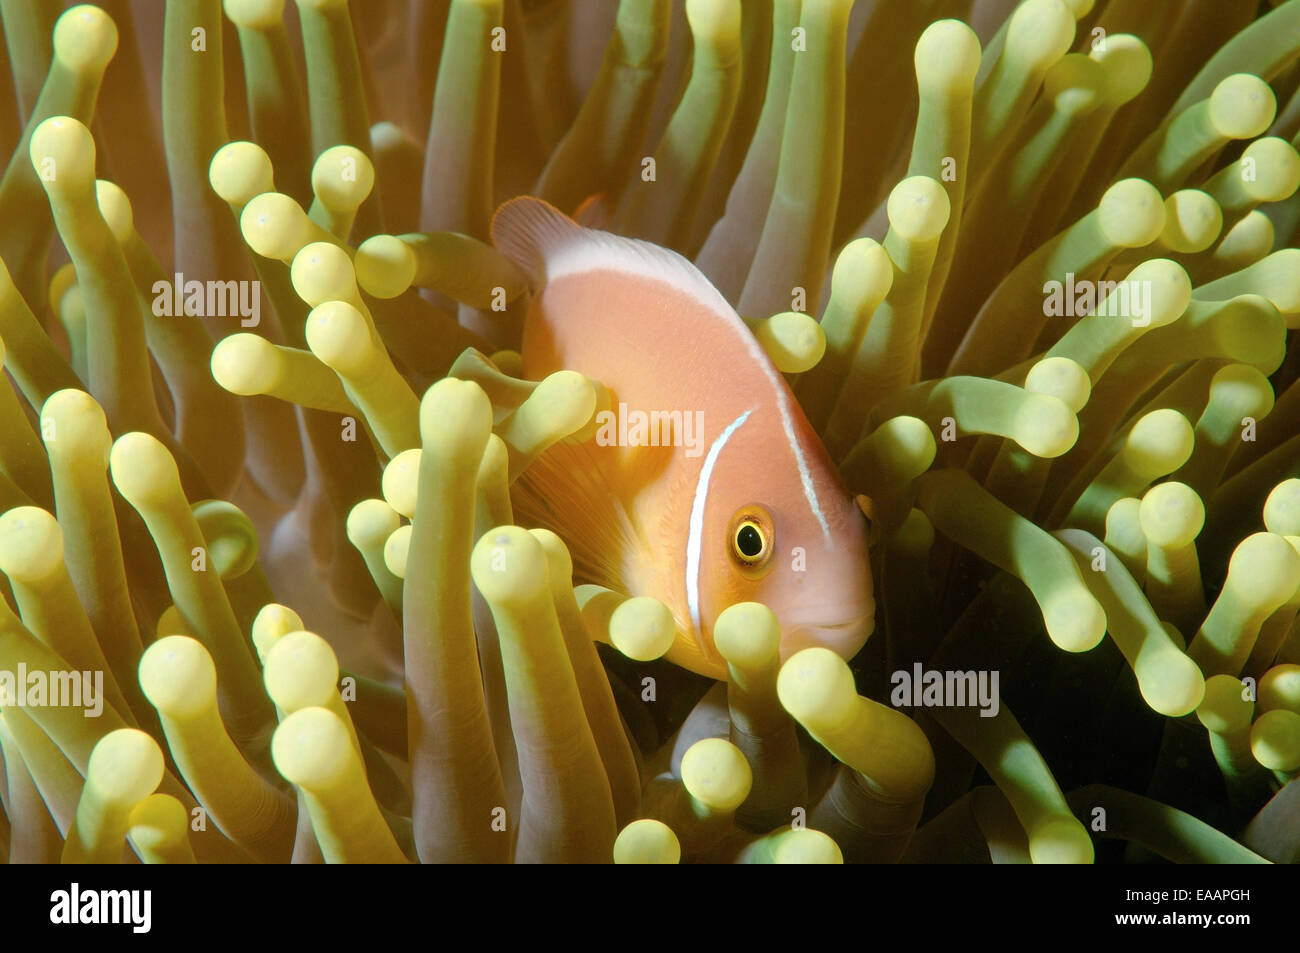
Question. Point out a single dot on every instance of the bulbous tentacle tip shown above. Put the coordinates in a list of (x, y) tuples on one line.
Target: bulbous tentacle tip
[(647, 841), (62, 151), (85, 38), (239, 171), (254, 14)]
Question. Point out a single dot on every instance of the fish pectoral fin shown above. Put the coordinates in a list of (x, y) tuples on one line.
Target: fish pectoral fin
[(566, 491)]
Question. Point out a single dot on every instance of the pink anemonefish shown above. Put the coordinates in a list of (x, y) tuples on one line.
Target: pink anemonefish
[(737, 502)]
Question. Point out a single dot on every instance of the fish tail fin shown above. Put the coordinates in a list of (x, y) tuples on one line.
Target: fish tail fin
[(528, 230)]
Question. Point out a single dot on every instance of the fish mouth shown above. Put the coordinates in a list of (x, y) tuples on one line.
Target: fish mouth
[(838, 626), (844, 636)]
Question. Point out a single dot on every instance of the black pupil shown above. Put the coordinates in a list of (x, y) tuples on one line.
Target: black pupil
[(749, 540)]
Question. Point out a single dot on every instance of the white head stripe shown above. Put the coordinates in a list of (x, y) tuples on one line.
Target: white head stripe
[(805, 478), (694, 539)]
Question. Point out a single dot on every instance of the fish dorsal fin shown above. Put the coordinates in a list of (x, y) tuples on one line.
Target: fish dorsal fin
[(547, 244), (529, 231)]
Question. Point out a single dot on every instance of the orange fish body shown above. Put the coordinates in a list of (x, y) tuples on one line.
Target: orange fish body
[(704, 485)]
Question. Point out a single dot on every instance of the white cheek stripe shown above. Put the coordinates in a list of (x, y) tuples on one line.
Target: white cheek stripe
[(693, 540)]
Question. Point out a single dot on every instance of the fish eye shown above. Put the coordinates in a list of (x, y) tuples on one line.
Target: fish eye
[(750, 538)]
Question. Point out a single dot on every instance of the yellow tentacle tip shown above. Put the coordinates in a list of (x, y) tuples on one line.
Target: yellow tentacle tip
[(312, 749), (1128, 65), (300, 671), (342, 178), (1171, 289), (338, 334), (748, 635), (716, 774), (31, 545), (1275, 165), (1282, 508), (1060, 840), (245, 364), (159, 825), (1159, 443), (1242, 106), (565, 401), (793, 341), (455, 416), (240, 171), (62, 152), (1046, 426), (396, 549), (647, 841), (806, 846), (322, 271), (1173, 686), (230, 535), (386, 266), (85, 38), (1075, 620), (401, 481), (272, 623), (559, 562), (1171, 515), (143, 470), (254, 14), (72, 422), (1193, 220), (1279, 687), (1275, 740), (271, 224), (116, 209), (863, 271), (1264, 570), (126, 766), (816, 687), (1040, 32), (509, 566), (1226, 707), (1061, 378), (918, 208), (1132, 213), (947, 58), (907, 441), (642, 628), (178, 677), (371, 523)]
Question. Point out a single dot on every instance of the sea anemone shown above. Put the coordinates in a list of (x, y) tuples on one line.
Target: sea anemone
[(1029, 268)]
